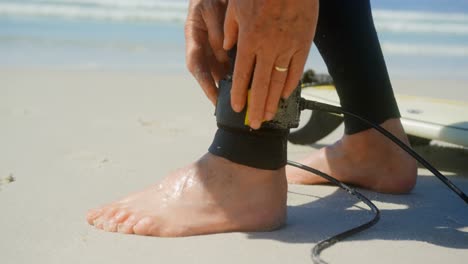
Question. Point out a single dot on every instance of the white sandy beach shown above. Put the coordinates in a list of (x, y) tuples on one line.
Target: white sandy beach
[(73, 140)]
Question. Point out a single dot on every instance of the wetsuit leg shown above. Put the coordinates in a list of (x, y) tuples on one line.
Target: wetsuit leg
[(348, 43)]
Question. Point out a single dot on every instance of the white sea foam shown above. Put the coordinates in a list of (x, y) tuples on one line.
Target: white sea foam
[(421, 27), (176, 10), (159, 13), (166, 4), (421, 22), (392, 48), (419, 16)]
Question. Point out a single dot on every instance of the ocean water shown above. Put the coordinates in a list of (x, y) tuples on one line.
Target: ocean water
[(420, 38)]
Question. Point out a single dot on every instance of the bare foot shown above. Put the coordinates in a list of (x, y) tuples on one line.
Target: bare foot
[(212, 195), (365, 159)]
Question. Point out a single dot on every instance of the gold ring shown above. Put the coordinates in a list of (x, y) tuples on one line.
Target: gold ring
[(281, 69)]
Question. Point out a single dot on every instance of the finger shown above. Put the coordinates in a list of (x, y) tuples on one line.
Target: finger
[(231, 28), (198, 65), (296, 67), (219, 70), (204, 78), (214, 18), (242, 76), (259, 92), (278, 80)]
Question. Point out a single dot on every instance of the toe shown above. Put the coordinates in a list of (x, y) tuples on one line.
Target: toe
[(109, 213), (144, 227), (93, 214), (98, 222), (126, 227), (121, 216), (104, 217), (116, 222), (110, 226)]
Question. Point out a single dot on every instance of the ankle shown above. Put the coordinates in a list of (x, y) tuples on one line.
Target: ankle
[(371, 137), (247, 173), (248, 182), (397, 169), (265, 190)]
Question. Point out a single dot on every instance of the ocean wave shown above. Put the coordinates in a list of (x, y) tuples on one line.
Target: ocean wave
[(419, 16), (421, 22), (95, 12), (390, 48), (418, 27), (173, 10), (166, 4)]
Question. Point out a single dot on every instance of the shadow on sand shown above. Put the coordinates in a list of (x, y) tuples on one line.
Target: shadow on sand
[(430, 213)]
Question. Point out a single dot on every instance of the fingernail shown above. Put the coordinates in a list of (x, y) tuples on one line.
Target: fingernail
[(269, 116), (237, 107), (255, 124)]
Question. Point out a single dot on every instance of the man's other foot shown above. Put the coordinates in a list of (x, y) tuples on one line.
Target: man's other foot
[(366, 159), (212, 195)]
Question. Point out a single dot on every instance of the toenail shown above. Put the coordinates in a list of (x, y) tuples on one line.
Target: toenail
[(97, 222), (122, 228), (109, 226)]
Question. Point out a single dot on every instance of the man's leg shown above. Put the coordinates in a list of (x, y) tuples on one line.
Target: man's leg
[(347, 40)]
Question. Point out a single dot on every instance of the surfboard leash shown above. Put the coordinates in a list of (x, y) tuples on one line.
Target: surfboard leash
[(314, 105), (319, 247), (288, 116)]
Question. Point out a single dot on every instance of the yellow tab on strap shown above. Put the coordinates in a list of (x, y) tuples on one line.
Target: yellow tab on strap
[(246, 120)]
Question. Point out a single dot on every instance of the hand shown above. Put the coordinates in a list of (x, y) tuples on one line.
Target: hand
[(206, 59), (268, 33)]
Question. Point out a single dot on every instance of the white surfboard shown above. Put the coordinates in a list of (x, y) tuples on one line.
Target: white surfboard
[(431, 118)]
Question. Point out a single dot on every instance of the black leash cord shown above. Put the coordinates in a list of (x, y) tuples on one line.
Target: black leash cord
[(334, 239), (313, 105)]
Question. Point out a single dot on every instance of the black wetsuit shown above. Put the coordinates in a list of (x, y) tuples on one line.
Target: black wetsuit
[(348, 43), (347, 40)]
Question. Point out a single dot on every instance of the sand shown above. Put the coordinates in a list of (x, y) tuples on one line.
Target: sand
[(72, 140)]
